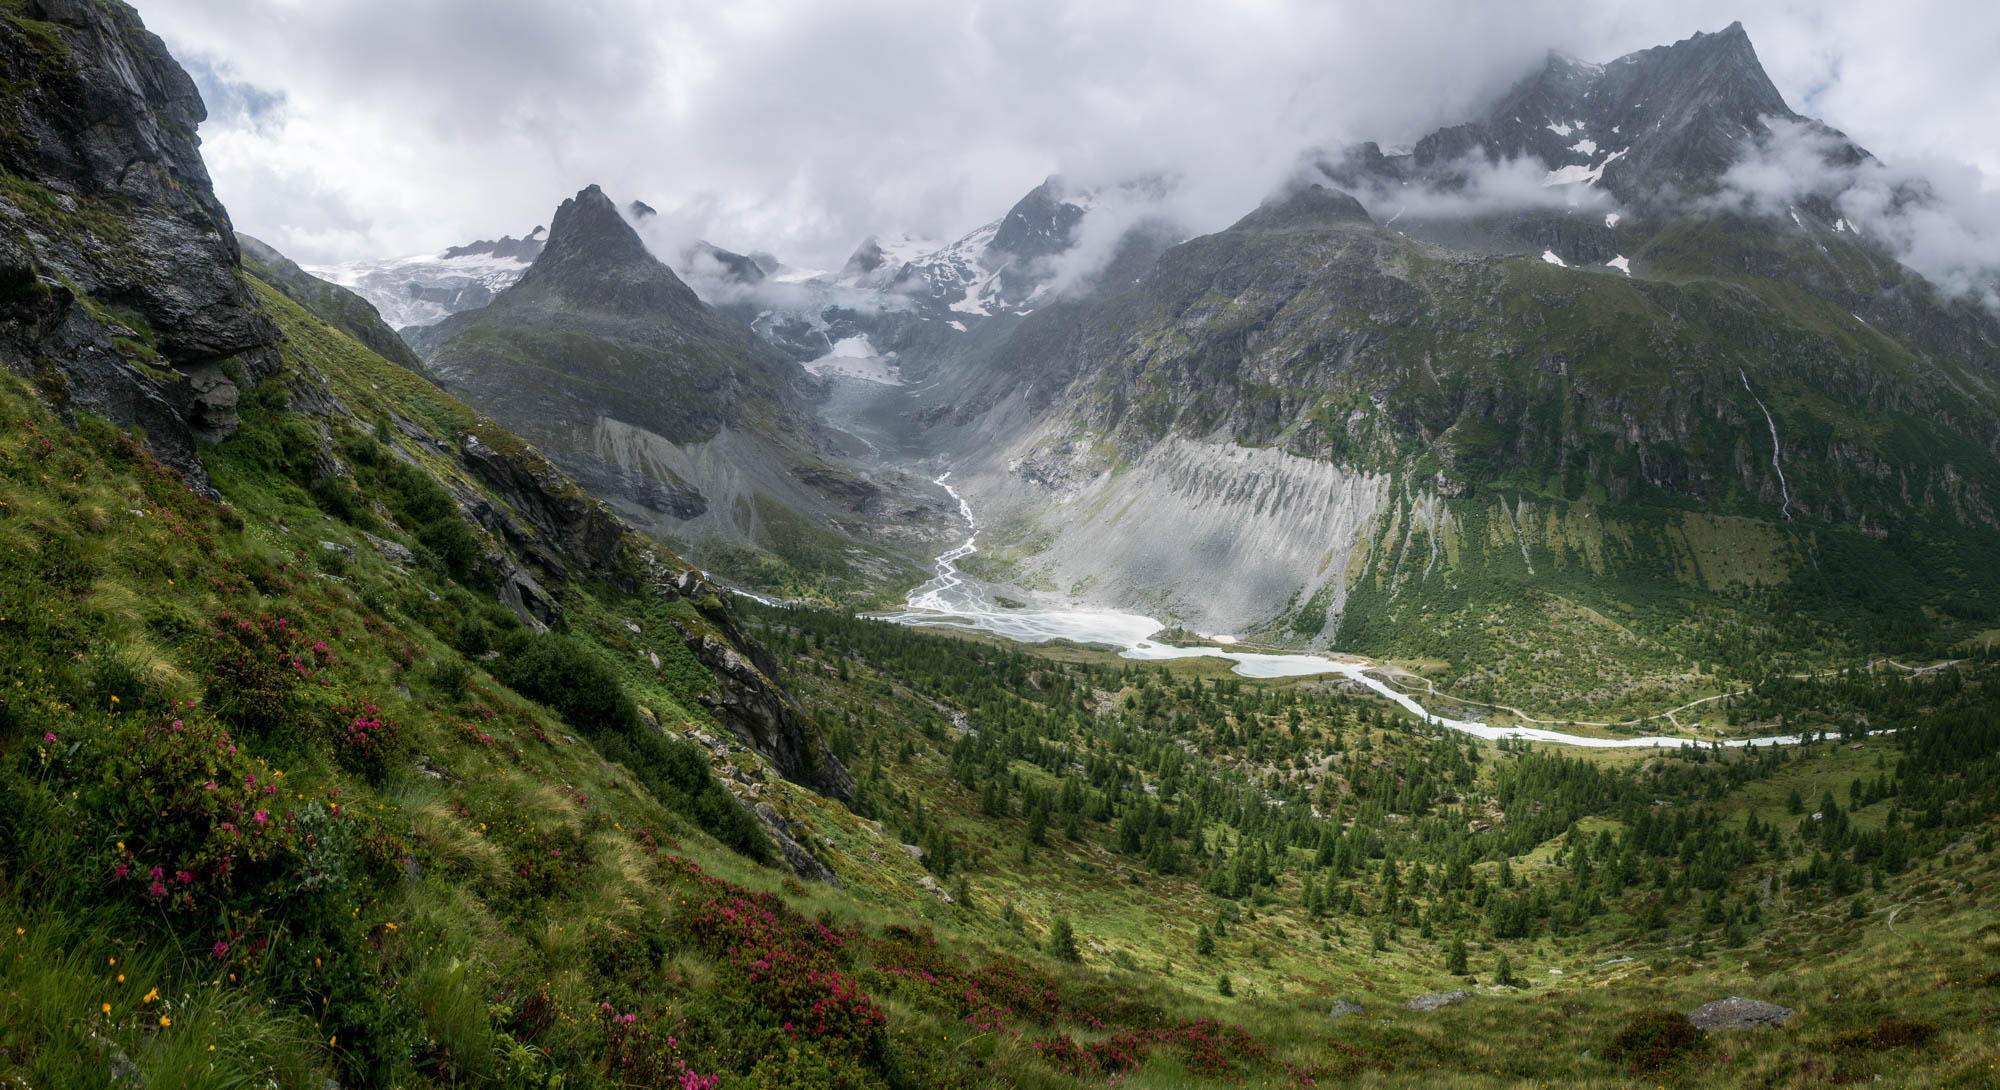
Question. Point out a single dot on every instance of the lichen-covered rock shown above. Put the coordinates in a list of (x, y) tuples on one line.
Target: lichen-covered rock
[(561, 516), (394, 552)]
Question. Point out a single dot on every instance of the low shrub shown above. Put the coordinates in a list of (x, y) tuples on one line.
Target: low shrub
[(1657, 1040), (264, 674), (1889, 1034)]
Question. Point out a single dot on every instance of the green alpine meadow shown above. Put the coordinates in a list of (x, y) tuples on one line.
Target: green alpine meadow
[(1512, 608)]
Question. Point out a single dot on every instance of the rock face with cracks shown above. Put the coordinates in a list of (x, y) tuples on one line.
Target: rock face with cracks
[(119, 287)]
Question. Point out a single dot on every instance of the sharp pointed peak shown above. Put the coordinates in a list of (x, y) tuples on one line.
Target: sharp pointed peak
[(591, 222)]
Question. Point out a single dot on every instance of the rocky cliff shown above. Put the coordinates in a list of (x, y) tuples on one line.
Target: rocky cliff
[(122, 293)]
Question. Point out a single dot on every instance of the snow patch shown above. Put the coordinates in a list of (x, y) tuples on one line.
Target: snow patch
[(1587, 147), (1575, 172), (1560, 129), (854, 357), (904, 251), (450, 284), (956, 324), (1551, 257), (1611, 219), (1622, 264)]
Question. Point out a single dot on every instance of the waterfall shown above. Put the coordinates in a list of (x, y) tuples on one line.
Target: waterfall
[(1784, 490)]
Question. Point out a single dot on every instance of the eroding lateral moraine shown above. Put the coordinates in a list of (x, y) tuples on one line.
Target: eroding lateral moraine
[(1218, 536)]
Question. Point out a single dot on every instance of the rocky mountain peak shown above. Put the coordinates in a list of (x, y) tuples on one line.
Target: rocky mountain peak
[(1305, 206), (1685, 109), (594, 258), (865, 259), (1656, 124), (589, 227), (1038, 226), (704, 259)]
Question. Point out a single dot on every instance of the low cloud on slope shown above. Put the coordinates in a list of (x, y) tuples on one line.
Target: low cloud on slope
[(1936, 215)]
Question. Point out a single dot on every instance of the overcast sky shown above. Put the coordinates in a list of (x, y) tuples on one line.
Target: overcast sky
[(344, 129)]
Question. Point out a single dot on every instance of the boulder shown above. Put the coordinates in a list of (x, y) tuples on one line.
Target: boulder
[(1737, 1014), (1437, 1000), (394, 552), (1342, 1008)]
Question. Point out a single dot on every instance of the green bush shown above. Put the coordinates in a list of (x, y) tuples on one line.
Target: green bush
[(414, 496), (264, 674), (474, 637), (449, 676), (454, 544), (338, 497)]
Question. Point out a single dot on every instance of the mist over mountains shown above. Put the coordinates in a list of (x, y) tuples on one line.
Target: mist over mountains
[(999, 111)]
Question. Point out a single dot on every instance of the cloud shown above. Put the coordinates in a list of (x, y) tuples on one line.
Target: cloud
[(1484, 188), (233, 104), (801, 128), (1937, 216)]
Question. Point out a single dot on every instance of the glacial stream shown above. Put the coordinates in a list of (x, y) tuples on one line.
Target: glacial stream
[(951, 599)]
